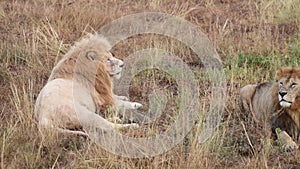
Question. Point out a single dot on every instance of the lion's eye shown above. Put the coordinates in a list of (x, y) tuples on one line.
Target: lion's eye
[(293, 85), (108, 60), (280, 84)]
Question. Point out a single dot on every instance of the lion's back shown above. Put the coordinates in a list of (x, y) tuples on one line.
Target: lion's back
[(57, 100)]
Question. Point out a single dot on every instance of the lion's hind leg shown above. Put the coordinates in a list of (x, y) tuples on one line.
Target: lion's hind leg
[(44, 128), (74, 132), (246, 94), (245, 102)]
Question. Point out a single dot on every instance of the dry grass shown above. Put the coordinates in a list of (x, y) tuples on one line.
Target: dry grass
[(254, 38)]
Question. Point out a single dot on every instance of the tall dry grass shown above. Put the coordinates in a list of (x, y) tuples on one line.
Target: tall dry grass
[(253, 38)]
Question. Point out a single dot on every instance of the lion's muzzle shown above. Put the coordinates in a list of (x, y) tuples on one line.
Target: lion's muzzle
[(282, 99)]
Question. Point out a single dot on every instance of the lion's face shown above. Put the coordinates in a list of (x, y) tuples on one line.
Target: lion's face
[(289, 86), (113, 66)]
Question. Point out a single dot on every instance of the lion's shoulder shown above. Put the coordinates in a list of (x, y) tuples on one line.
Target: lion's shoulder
[(263, 86), (259, 99)]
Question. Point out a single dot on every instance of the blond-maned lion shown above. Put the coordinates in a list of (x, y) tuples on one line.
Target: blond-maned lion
[(80, 86), (278, 103)]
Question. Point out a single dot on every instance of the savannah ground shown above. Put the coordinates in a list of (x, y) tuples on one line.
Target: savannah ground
[(253, 39)]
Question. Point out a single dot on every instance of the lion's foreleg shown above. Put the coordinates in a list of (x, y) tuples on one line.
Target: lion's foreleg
[(285, 140), (92, 120), (116, 97), (121, 104)]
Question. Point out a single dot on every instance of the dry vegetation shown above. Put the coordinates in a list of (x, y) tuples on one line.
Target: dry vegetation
[(253, 38)]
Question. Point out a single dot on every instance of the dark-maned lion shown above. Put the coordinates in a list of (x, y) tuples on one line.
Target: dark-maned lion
[(278, 103)]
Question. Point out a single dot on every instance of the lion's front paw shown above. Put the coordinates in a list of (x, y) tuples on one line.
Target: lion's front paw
[(134, 125), (135, 105), (285, 140), (290, 146), (124, 98)]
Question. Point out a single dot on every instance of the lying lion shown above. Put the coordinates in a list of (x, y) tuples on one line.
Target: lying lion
[(278, 103), (80, 87)]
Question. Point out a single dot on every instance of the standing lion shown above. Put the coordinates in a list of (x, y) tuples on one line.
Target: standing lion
[(80, 86), (277, 103)]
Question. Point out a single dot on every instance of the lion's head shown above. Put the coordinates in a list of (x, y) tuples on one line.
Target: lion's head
[(90, 54), (289, 87), (90, 63)]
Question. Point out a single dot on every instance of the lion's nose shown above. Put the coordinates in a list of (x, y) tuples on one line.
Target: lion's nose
[(282, 93)]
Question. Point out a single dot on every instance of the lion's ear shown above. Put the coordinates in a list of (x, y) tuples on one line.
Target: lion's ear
[(297, 70), (91, 55), (284, 71)]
